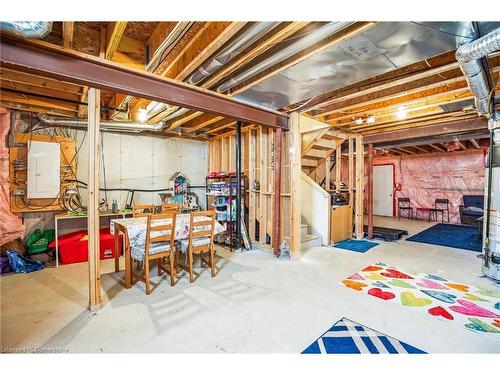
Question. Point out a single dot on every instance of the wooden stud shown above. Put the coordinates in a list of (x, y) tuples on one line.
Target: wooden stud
[(369, 201), (263, 137), (252, 204), (360, 184), (276, 212), (68, 28), (328, 163), (94, 155), (351, 169), (338, 169), (295, 185)]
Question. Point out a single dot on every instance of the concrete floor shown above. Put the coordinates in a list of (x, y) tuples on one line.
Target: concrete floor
[(257, 303)]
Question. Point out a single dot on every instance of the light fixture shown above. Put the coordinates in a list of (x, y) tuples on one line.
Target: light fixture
[(142, 115), (370, 120), (358, 121), (401, 113)]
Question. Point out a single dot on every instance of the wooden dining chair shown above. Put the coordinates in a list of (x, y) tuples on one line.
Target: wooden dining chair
[(170, 207), (160, 233), (142, 210), (201, 240)]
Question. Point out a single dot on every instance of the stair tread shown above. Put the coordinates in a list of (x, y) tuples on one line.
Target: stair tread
[(309, 237)]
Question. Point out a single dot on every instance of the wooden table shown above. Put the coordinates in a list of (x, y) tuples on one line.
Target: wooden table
[(138, 227)]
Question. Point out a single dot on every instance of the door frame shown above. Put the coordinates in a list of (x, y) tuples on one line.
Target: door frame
[(393, 185)]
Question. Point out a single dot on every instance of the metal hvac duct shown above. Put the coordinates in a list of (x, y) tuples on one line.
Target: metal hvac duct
[(293, 46), (243, 39), (134, 127), (27, 29), (469, 58)]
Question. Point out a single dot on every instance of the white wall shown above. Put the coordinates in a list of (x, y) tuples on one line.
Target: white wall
[(315, 207), (144, 162)]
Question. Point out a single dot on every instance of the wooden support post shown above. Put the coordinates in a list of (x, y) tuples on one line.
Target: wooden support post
[(263, 184), (238, 184), (295, 188), (94, 155), (369, 201), (360, 184), (351, 170), (328, 165), (251, 177), (278, 140), (338, 163)]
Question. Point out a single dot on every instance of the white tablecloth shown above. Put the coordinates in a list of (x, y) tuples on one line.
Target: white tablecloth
[(136, 228)]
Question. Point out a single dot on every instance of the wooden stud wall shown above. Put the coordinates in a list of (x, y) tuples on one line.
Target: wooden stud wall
[(257, 164)]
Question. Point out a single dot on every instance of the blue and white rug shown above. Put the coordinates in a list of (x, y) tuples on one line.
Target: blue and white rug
[(348, 337)]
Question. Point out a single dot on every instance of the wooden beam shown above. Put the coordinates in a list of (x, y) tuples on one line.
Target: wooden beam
[(474, 143), (295, 185), (328, 164), (94, 157), (436, 147), (252, 201), (420, 148), (263, 146), (114, 35), (351, 169), (278, 140), (449, 127), (212, 36), (369, 201), (68, 28), (338, 169), (360, 187), (461, 145)]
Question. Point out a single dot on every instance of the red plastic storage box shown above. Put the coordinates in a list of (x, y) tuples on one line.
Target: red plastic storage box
[(77, 251)]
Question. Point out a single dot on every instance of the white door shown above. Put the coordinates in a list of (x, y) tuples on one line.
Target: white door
[(383, 181)]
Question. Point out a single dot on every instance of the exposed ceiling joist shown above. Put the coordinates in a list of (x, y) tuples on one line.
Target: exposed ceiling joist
[(427, 132), (68, 32), (474, 143), (114, 35)]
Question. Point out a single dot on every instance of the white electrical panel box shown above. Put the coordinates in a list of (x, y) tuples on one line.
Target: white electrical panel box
[(44, 159)]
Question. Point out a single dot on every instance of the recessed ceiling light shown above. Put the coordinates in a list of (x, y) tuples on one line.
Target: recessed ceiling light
[(401, 113), (358, 121), (370, 120), (142, 115)]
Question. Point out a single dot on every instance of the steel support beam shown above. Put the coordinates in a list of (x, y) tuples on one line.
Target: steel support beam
[(70, 66)]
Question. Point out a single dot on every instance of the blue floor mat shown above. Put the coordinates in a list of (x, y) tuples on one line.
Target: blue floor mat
[(359, 246), (451, 235), (348, 337)]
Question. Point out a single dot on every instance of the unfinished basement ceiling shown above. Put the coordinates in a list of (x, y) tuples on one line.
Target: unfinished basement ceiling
[(380, 49)]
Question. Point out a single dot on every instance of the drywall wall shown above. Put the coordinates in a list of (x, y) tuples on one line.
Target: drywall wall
[(143, 162), (424, 178), (315, 207)]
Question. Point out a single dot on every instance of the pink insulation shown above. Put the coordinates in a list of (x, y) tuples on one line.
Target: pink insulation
[(424, 178), (11, 226)]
